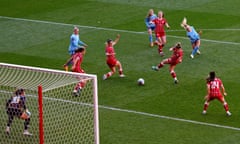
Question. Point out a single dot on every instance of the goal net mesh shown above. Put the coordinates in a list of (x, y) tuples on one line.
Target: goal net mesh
[(66, 118)]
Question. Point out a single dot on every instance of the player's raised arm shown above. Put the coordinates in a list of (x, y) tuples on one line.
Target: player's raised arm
[(81, 43), (184, 24), (116, 40)]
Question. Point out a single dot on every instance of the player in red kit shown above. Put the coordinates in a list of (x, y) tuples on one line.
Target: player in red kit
[(160, 22), (76, 67), (111, 60), (176, 58), (215, 90)]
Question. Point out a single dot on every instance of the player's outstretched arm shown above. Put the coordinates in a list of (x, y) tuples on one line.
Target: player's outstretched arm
[(117, 39), (167, 25), (184, 24)]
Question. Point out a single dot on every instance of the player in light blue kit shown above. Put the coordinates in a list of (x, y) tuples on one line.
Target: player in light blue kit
[(75, 43), (193, 36), (150, 26)]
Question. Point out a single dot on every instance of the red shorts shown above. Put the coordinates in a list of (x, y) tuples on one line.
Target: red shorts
[(219, 97), (111, 62), (78, 70), (160, 34), (172, 61)]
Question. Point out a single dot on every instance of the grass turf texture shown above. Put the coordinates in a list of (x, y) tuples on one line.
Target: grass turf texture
[(45, 45)]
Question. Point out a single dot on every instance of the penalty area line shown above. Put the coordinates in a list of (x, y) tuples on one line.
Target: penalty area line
[(170, 118)]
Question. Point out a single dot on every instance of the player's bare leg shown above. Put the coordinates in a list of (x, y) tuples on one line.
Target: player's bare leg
[(150, 37), (10, 119), (173, 74), (195, 50), (160, 45), (163, 40), (162, 63), (206, 104), (78, 88), (120, 70), (109, 74), (198, 44), (225, 106), (26, 126), (69, 61)]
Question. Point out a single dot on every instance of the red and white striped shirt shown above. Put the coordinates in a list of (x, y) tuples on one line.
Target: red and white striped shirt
[(215, 87)]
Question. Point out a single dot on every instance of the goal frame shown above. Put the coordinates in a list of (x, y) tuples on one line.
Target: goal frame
[(40, 98)]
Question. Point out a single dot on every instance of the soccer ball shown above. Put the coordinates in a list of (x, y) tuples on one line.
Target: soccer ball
[(140, 81), (28, 112)]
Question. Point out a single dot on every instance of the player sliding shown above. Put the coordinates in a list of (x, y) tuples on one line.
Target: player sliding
[(215, 90), (111, 60), (176, 58), (16, 107), (193, 36)]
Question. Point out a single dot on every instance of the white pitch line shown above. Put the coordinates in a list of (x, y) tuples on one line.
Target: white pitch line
[(137, 112), (229, 29), (64, 24), (233, 29), (170, 118), (117, 30), (207, 40), (144, 114)]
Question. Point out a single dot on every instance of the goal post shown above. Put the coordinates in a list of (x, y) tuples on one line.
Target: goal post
[(40, 115), (57, 116)]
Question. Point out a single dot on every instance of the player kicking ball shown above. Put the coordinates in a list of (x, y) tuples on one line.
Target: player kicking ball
[(175, 59)]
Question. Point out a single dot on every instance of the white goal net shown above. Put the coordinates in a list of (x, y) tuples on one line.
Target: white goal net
[(57, 116)]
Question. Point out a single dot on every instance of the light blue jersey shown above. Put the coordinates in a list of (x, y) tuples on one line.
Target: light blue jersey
[(148, 21), (75, 42), (193, 35)]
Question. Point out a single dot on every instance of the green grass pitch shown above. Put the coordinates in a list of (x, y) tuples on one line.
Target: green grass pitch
[(36, 33)]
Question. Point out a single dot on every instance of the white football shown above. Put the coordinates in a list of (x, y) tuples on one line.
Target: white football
[(140, 81), (28, 112)]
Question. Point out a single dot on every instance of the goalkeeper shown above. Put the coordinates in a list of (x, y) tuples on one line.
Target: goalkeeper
[(16, 107)]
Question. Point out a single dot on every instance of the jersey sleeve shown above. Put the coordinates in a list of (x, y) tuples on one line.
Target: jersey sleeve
[(81, 43)]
